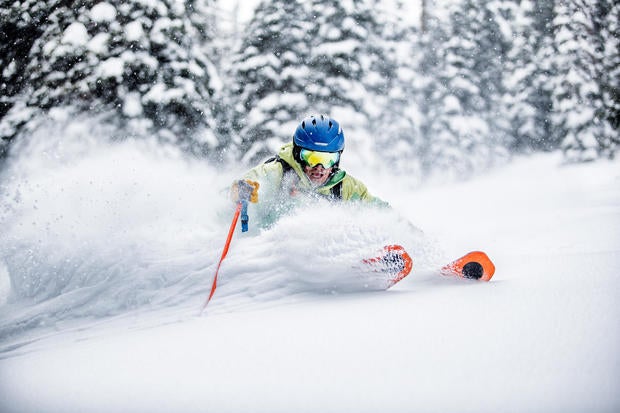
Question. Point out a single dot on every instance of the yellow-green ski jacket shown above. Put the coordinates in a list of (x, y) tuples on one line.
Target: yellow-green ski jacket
[(281, 185)]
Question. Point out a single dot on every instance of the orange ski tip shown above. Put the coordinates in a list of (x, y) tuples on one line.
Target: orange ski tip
[(476, 265), (407, 259)]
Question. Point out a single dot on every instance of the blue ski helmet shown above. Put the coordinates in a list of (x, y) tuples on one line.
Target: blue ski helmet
[(319, 133)]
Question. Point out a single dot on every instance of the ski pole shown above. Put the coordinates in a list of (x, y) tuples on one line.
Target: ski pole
[(231, 231), (244, 216)]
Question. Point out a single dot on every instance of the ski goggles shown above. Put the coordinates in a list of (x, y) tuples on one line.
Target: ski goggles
[(314, 158)]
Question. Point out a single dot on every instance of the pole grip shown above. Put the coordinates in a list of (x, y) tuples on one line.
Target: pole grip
[(244, 216)]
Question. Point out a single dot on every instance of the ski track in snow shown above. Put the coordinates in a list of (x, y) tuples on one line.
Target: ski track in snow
[(111, 258)]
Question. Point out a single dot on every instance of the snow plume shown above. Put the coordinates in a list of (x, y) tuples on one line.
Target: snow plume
[(318, 249), (94, 229)]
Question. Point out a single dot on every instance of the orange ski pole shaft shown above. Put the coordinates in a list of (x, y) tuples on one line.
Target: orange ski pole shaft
[(231, 231)]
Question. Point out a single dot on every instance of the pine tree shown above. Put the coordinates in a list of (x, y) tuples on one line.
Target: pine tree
[(583, 112), (299, 58), (269, 74), (396, 120), (529, 77), (350, 63), (608, 27), (142, 63), (431, 90), (465, 118), (21, 24)]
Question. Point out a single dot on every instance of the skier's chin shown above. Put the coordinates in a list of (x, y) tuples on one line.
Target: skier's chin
[(317, 175), (318, 179)]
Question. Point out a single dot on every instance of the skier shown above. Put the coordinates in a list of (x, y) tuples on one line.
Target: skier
[(307, 169), (304, 169)]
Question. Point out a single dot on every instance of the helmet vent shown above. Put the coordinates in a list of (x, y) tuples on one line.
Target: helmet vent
[(314, 122), (330, 124)]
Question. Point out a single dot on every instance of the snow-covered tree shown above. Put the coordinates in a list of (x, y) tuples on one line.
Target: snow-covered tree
[(393, 110), (465, 119), (584, 95), (528, 76), (144, 63), (610, 34), (268, 77), (301, 57), (476, 79), (21, 24)]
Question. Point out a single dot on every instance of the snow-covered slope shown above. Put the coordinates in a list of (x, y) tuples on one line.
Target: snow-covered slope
[(541, 336)]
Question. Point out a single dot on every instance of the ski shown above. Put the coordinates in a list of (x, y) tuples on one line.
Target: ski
[(393, 261), (474, 265)]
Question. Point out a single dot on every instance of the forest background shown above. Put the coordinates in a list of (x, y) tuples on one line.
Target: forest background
[(459, 88)]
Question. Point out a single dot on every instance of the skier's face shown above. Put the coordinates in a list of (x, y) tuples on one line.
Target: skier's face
[(317, 175)]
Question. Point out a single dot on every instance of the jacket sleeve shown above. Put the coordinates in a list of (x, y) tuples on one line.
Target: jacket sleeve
[(269, 176)]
